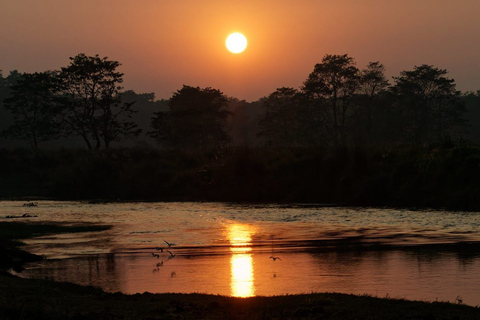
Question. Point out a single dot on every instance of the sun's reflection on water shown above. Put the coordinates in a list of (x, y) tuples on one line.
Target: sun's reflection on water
[(241, 262)]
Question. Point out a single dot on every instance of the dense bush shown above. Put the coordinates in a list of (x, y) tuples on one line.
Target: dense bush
[(444, 176)]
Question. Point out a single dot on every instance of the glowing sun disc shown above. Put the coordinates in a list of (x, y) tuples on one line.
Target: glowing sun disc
[(236, 42)]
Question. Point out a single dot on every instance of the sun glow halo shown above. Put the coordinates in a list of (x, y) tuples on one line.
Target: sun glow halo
[(236, 42)]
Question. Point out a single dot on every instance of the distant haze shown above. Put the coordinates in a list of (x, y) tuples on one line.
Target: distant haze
[(164, 44)]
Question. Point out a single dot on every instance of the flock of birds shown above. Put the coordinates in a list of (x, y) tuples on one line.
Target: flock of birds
[(172, 255), (161, 249), (30, 204)]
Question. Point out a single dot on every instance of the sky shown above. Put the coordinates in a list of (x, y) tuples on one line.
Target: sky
[(164, 44)]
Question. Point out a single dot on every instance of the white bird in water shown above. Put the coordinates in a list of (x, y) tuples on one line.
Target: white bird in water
[(275, 258), (169, 244)]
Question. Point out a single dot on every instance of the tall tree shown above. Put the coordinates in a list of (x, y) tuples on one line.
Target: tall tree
[(91, 97), (284, 123), (244, 124), (372, 80), (472, 115), (6, 117), (429, 104), (146, 104), (369, 116), (331, 87), (196, 119), (33, 106), (3, 96)]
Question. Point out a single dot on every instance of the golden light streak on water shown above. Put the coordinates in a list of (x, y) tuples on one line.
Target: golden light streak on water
[(241, 263), (242, 275)]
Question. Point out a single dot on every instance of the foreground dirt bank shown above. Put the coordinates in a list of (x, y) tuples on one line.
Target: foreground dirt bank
[(41, 299)]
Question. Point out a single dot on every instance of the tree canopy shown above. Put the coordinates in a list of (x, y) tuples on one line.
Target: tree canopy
[(331, 87), (92, 103), (196, 119), (285, 122), (34, 108), (428, 104)]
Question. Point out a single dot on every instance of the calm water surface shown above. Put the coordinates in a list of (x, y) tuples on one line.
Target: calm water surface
[(226, 248)]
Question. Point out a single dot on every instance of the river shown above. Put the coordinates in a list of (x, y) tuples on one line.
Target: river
[(229, 249)]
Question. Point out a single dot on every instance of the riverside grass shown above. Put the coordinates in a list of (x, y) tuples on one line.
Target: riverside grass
[(43, 299)]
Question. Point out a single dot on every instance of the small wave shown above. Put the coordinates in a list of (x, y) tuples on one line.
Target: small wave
[(151, 232)]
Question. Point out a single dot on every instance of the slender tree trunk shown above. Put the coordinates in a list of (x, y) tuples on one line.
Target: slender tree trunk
[(85, 138), (98, 143)]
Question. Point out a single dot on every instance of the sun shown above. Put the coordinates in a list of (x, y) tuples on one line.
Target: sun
[(236, 42)]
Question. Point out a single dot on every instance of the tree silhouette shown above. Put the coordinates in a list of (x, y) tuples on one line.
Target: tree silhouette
[(196, 119), (331, 87), (429, 106), (244, 124), (146, 104), (33, 106), (284, 123), (472, 115), (371, 105), (91, 97), (372, 79)]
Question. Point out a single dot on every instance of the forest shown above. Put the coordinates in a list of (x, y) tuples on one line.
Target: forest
[(346, 136)]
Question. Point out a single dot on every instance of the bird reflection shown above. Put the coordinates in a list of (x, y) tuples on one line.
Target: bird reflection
[(172, 255)]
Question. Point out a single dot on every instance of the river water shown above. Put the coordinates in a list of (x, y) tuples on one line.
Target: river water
[(228, 249)]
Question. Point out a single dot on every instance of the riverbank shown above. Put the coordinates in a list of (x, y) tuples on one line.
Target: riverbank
[(422, 177), (41, 299), (44, 299)]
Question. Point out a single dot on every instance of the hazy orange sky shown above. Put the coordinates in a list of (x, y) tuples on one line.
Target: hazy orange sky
[(164, 44)]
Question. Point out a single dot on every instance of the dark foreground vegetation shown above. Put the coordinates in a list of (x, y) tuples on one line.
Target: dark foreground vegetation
[(441, 177), (42, 299)]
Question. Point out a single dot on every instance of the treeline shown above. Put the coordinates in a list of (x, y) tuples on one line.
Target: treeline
[(346, 136), (338, 105)]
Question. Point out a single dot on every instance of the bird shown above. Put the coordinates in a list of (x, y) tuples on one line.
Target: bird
[(169, 244), (155, 255), (275, 258), (160, 264), (30, 204), (172, 255), (159, 249)]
